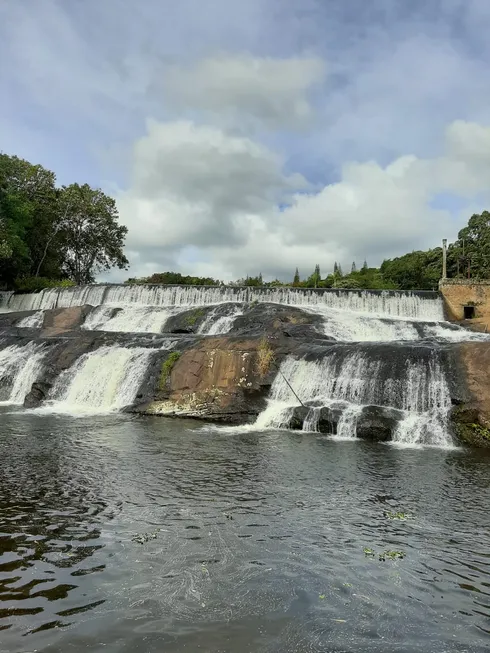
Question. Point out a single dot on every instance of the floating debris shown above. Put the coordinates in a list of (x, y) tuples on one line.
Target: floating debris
[(385, 555), (145, 537), (401, 516), (321, 596), (392, 555)]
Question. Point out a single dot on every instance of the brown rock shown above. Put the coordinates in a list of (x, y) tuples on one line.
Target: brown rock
[(60, 320)]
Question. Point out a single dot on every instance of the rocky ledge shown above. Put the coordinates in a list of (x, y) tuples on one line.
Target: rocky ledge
[(227, 378)]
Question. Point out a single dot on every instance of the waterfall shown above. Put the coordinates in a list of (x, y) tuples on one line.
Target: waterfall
[(421, 305), (102, 381), (411, 380), (20, 367), (131, 319), (218, 324), (33, 321)]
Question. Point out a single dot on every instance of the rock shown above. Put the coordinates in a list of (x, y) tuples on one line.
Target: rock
[(327, 422), (377, 423), (60, 320), (188, 321), (466, 421), (215, 378), (39, 392), (265, 318), (298, 417)]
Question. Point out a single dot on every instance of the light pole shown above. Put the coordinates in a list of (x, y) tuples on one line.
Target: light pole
[(444, 258)]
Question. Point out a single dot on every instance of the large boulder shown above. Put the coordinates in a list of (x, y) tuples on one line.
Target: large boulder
[(377, 423), (216, 378), (60, 320)]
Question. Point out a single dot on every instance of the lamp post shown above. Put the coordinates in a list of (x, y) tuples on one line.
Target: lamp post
[(444, 258)]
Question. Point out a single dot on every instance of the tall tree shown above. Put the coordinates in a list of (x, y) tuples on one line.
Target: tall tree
[(354, 267), (296, 280), (474, 245), (92, 240)]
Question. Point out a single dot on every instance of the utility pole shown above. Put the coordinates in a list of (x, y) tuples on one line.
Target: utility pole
[(444, 258)]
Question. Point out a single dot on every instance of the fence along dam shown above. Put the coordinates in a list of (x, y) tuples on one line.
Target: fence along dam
[(381, 351)]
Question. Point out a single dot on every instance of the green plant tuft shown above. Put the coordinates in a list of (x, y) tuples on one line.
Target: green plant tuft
[(167, 367), (265, 357), (193, 317)]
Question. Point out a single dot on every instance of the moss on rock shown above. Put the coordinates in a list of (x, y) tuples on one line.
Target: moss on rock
[(167, 367)]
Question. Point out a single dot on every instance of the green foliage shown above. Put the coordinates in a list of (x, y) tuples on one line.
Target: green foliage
[(34, 284), (296, 280), (92, 240), (481, 431), (175, 278), (166, 369), (194, 316), (414, 271), (53, 233)]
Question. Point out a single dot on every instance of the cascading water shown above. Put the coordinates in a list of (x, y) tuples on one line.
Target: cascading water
[(414, 305), (348, 379), (348, 315), (103, 381), (33, 321), (20, 367), (131, 319)]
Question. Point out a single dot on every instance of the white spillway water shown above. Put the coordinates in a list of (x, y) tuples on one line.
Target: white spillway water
[(215, 325), (349, 382), (20, 367), (102, 381), (129, 319), (33, 321), (415, 305)]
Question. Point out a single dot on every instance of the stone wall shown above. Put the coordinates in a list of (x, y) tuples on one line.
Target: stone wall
[(458, 293)]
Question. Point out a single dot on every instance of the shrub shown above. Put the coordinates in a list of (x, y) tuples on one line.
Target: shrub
[(35, 284), (265, 357)]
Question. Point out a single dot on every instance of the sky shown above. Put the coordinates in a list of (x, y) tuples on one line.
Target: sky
[(253, 136)]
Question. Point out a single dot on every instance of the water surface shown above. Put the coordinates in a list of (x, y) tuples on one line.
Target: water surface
[(260, 547)]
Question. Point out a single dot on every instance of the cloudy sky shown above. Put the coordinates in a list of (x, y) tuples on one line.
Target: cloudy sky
[(246, 136)]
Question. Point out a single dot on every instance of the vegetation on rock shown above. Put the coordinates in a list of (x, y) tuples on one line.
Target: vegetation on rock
[(265, 357), (194, 316), (166, 369)]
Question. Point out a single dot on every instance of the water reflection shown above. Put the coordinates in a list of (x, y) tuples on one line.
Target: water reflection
[(258, 541)]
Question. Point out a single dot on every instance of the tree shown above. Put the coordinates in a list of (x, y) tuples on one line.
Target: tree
[(353, 268), (474, 245), (364, 266), (91, 238), (296, 280)]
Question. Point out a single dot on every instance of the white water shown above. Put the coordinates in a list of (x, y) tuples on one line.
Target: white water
[(129, 319), (416, 306), (215, 325), (103, 381), (20, 367), (358, 379), (33, 321)]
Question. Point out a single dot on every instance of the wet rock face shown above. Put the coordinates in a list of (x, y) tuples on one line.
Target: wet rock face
[(214, 378), (277, 319), (376, 423)]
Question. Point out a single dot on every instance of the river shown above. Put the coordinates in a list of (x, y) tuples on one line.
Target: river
[(255, 540)]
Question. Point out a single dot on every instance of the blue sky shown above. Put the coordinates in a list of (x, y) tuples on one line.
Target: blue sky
[(368, 121)]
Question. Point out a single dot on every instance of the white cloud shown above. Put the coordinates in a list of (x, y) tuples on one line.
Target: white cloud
[(219, 193), (273, 91)]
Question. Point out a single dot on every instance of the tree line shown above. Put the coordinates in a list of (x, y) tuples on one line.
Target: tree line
[(50, 235), (65, 235)]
